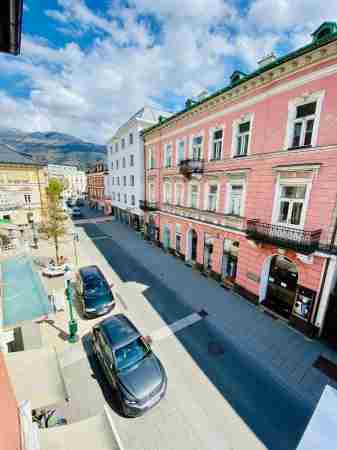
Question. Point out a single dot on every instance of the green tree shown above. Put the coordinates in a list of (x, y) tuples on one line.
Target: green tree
[(54, 224)]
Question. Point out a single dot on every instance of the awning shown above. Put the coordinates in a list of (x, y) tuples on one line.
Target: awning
[(96, 433), (36, 376), (321, 432)]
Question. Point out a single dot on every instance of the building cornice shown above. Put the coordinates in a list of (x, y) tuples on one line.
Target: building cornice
[(288, 65)]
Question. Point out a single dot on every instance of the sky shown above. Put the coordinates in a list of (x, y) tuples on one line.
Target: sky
[(87, 65)]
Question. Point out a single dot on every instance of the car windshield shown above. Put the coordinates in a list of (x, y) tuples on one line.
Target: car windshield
[(130, 354), (94, 284)]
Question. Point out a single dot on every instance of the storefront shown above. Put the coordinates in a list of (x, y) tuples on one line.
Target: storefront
[(208, 253), (229, 261), (192, 245)]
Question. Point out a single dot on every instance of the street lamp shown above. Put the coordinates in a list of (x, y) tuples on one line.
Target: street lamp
[(73, 326)]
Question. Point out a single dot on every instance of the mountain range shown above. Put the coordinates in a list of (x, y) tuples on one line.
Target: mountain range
[(53, 147)]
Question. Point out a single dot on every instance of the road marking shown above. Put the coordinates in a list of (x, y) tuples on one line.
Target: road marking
[(170, 330), (100, 238), (93, 220)]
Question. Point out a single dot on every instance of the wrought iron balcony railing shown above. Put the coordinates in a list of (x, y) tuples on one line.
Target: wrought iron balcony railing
[(189, 166), (209, 217), (305, 242), (148, 206)]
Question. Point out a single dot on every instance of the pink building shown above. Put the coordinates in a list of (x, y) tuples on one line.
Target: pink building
[(242, 184)]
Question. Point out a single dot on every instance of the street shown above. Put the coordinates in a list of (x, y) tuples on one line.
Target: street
[(275, 413)]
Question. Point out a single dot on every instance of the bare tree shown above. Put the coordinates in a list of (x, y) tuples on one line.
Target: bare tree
[(54, 224)]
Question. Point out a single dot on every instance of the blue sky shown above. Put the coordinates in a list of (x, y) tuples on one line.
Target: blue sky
[(87, 65)]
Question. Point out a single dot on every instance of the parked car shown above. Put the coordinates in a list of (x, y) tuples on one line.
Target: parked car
[(79, 202), (129, 364), (76, 213), (94, 292)]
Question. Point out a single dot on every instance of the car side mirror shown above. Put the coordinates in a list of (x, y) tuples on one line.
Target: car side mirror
[(147, 340)]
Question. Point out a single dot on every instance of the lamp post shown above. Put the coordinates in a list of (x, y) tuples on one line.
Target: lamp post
[(73, 327)]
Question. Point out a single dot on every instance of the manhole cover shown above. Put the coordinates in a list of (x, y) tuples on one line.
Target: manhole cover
[(215, 349)]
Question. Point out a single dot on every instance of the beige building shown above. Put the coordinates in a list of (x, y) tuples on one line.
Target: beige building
[(74, 179), (23, 185)]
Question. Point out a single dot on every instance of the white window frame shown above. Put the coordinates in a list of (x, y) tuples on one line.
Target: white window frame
[(207, 193), (190, 195), (123, 162), (277, 199), (132, 160), (132, 199), (168, 146), (130, 138), (202, 135), (132, 180), (229, 187), (178, 142), (177, 231), (152, 192), (211, 142), (151, 158), (249, 117), (123, 143), (181, 194), (317, 97), (167, 191)]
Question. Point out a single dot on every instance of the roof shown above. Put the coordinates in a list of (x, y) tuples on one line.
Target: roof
[(10, 155), (288, 57), (119, 330)]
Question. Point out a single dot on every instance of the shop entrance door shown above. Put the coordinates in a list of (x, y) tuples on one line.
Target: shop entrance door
[(208, 252), (282, 285), (166, 237), (330, 324), (230, 261)]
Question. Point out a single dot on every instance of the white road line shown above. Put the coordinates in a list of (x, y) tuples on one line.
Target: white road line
[(93, 220), (179, 325)]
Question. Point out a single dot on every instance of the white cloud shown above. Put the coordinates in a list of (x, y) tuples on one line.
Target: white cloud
[(90, 91)]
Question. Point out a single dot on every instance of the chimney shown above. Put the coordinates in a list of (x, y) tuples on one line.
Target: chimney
[(268, 59)]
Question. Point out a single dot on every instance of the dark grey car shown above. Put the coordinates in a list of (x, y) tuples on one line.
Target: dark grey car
[(129, 364)]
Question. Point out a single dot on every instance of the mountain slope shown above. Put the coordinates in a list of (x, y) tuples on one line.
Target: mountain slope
[(53, 147)]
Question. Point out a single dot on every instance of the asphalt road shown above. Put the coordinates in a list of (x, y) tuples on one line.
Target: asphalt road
[(276, 416)]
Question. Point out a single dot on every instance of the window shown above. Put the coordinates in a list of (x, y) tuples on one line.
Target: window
[(291, 204), (197, 148), (217, 145), (116, 147), (151, 192), (113, 181), (178, 194), (132, 180), (242, 139), (194, 196), (180, 151), (130, 138), (167, 192), (119, 197), (117, 181), (124, 180), (123, 163), (28, 198), (151, 158), (178, 238), (133, 202), (212, 197), (125, 198), (123, 143), (235, 199), (117, 164), (168, 156), (113, 196), (304, 125), (112, 165), (132, 160)]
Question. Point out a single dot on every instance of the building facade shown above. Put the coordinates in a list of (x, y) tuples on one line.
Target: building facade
[(126, 167), (23, 185), (242, 184), (74, 179), (96, 186)]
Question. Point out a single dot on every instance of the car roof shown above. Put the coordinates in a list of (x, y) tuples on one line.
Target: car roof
[(89, 270), (119, 331)]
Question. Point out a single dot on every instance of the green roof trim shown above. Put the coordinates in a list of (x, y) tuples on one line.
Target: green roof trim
[(299, 52), (325, 29)]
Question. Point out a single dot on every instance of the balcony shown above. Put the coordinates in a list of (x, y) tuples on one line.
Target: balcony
[(226, 221), (148, 206), (301, 241), (188, 167)]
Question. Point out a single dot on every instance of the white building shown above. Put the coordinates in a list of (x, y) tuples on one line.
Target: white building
[(74, 179), (125, 156)]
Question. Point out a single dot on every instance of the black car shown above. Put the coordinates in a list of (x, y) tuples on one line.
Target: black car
[(94, 291), (129, 364)]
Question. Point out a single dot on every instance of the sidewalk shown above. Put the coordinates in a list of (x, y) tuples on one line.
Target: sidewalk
[(280, 349)]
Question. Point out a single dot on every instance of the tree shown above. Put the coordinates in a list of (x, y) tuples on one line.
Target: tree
[(54, 224)]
